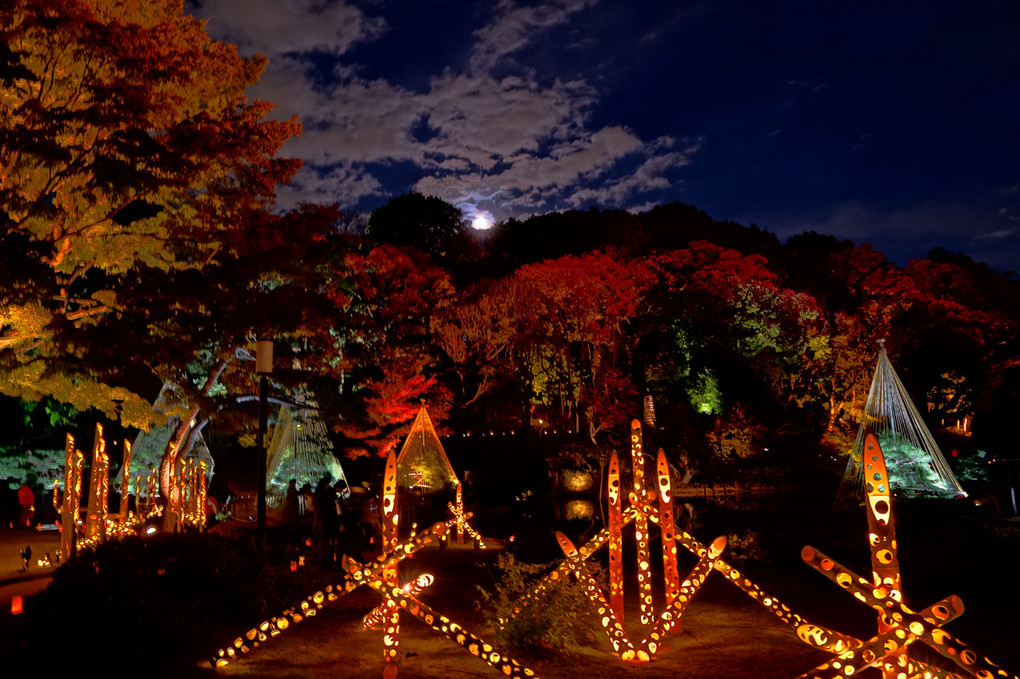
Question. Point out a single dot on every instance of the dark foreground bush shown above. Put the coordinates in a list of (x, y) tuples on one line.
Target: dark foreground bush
[(154, 605), (559, 619)]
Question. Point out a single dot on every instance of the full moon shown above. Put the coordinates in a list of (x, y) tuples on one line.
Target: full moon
[(481, 222)]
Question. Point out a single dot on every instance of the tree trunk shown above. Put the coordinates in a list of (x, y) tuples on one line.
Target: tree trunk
[(179, 444)]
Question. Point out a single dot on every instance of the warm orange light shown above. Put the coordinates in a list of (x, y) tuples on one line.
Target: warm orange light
[(16, 605)]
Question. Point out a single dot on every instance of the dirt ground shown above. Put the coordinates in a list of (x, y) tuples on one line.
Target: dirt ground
[(720, 632), (13, 540), (725, 634)]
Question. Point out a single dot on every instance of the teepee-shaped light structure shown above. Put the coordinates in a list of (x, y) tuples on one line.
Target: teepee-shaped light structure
[(916, 465), (301, 449), (422, 465)]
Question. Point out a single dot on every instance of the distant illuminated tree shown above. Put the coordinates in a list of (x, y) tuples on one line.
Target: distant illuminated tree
[(736, 435), (557, 331), (380, 344), (955, 336), (719, 321)]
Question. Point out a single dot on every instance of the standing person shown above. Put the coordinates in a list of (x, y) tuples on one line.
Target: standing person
[(340, 493), (26, 500), (291, 510), (327, 520), (350, 519), (307, 504)]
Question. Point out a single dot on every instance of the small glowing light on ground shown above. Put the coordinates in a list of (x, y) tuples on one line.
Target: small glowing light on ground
[(481, 222)]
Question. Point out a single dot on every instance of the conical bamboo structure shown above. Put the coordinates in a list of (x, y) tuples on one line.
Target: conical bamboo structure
[(916, 465), (422, 465)]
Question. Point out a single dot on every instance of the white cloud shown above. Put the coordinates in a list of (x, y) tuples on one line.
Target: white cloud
[(344, 184), (650, 175), (514, 26), (275, 28), (519, 144)]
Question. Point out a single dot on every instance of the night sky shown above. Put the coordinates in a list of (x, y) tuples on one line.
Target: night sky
[(896, 124)]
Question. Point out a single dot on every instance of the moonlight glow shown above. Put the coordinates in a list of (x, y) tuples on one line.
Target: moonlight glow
[(481, 222)]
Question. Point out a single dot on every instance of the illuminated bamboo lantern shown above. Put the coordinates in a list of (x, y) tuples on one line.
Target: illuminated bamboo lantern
[(611, 623), (638, 497), (151, 490), (374, 618), (171, 491), (125, 483), (882, 540), (887, 647), (192, 492), (453, 631), (460, 513), (668, 619), (356, 576), (201, 494), (139, 506), (95, 523), (668, 526), (72, 483), (672, 616), (615, 538), (899, 626), (390, 520)]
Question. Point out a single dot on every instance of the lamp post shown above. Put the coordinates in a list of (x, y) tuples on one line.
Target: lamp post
[(263, 367)]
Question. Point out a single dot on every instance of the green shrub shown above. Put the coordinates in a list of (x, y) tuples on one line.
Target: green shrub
[(745, 547), (559, 619)]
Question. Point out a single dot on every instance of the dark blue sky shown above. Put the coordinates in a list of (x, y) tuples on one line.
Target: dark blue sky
[(891, 123)]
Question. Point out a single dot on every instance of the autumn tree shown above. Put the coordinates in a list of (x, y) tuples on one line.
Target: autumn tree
[(127, 148), (955, 335), (136, 181), (380, 344), (553, 333), (193, 328), (722, 323), (862, 297)]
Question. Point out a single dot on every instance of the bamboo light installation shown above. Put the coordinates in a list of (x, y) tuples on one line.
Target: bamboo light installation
[(668, 526), (374, 618), (898, 626), (356, 576), (459, 511), (455, 632), (638, 497), (645, 506), (200, 517), (882, 540), (373, 575), (615, 538), (463, 526), (73, 463), (99, 481), (172, 492), (390, 520), (809, 633), (125, 481)]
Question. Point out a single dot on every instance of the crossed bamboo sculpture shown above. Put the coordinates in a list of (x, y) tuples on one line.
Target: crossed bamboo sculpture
[(898, 625), (382, 576)]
